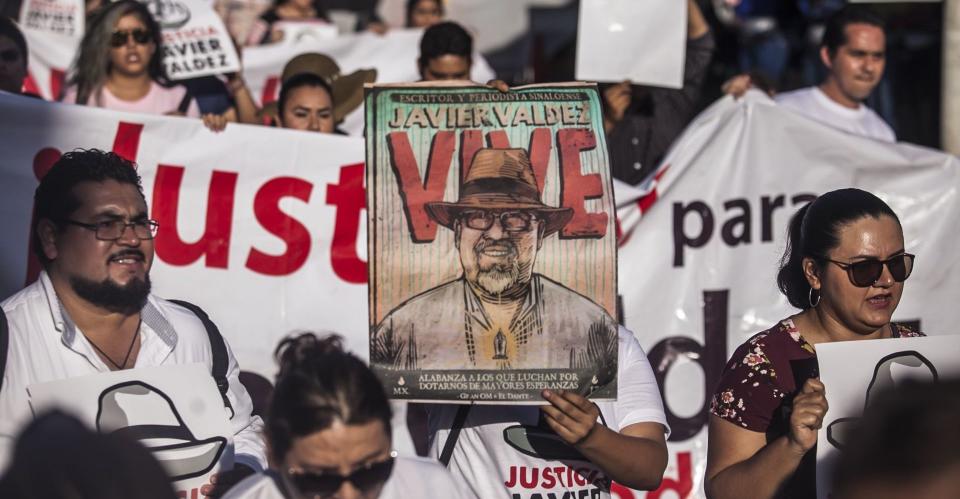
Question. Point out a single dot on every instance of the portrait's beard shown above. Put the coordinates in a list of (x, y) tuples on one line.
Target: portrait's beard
[(126, 299), (497, 278)]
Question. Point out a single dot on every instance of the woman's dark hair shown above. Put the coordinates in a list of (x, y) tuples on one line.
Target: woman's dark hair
[(319, 383), (835, 31), (412, 4), (54, 199), (301, 80), (319, 6), (815, 230), (92, 66), (56, 456), (446, 38), (9, 29)]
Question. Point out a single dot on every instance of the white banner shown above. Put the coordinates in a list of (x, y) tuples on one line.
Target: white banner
[(175, 411), (264, 228), (698, 266), (394, 56), (855, 373)]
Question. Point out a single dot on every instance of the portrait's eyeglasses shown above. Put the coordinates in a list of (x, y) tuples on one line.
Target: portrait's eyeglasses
[(511, 221), (9, 55), (327, 484), (140, 36), (111, 230), (865, 273)]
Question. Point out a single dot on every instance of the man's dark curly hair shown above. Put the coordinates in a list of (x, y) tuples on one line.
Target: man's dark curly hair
[(54, 198)]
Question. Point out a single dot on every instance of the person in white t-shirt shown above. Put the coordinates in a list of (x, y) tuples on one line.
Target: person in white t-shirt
[(328, 433), (853, 50), (570, 446)]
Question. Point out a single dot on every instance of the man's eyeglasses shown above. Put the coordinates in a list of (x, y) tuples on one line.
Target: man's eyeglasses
[(327, 484), (140, 36), (511, 221), (111, 230), (865, 273)]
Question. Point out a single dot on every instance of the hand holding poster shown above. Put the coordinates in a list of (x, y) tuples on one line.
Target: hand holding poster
[(856, 372), (176, 412), (497, 279)]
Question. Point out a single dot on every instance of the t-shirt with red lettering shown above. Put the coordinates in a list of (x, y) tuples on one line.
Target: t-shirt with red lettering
[(502, 453), (159, 99)]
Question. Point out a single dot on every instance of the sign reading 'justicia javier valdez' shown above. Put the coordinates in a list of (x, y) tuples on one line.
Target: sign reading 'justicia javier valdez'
[(492, 244)]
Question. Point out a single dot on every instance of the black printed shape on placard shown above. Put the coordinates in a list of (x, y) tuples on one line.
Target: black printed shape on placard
[(186, 457)]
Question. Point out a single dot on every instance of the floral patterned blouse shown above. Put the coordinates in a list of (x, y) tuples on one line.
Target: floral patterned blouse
[(766, 371), (759, 382)]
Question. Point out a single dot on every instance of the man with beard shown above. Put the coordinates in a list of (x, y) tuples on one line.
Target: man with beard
[(91, 310), (498, 314)]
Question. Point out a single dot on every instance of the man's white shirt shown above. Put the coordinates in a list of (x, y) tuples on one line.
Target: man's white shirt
[(45, 345), (813, 103), (494, 467)]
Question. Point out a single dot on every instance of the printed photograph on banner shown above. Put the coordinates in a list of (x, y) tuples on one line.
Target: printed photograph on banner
[(195, 40), (491, 242), (176, 412)]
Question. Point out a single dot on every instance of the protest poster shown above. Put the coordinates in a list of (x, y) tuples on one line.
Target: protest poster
[(611, 34), (58, 17), (492, 247), (854, 373), (195, 41), (175, 411)]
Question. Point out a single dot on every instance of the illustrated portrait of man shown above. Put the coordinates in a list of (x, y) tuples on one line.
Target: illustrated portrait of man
[(499, 313)]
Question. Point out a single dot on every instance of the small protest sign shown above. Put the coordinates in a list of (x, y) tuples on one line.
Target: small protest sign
[(57, 17), (175, 411), (856, 372), (195, 41), (491, 241)]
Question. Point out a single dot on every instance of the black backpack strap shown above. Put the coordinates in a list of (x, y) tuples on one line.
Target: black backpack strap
[(4, 344), (218, 350), (458, 422)]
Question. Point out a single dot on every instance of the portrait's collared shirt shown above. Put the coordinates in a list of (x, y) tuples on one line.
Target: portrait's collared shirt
[(46, 345)]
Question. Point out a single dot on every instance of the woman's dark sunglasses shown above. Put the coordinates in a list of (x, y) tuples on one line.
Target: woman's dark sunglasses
[(865, 273), (140, 36), (327, 484)]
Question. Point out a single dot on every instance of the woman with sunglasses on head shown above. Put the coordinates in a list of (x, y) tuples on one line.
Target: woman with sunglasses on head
[(844, 267), (120, 66), (328, 433)]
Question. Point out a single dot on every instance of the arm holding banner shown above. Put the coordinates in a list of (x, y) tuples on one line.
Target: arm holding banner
[(740, 462)]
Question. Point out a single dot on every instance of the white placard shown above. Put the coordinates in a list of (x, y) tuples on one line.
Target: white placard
[(855, 372), (643, 42), (195, 41), (57, 17), (175, 411)]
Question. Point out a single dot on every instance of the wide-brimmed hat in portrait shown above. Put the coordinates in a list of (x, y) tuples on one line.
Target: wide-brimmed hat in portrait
[(500, 179)]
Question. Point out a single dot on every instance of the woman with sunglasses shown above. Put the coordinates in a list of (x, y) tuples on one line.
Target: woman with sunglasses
[(120, 66), (844, 267), (328, 433)]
